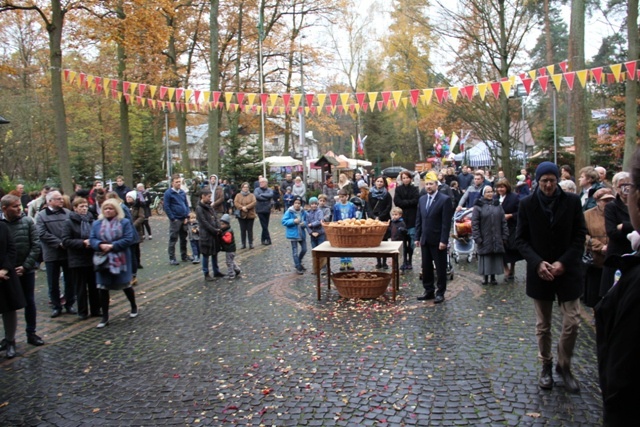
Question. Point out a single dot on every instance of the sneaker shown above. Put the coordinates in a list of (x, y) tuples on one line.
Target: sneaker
[(196, 261), (343, 266), (238, 271), (299, 270), (187, 259), (174, 262), (231, 278), (150, 237), (350, 266), (208, 278), (134, 313), (385, 266)]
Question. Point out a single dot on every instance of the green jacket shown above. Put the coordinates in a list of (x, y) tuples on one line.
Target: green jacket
[(26, 240)]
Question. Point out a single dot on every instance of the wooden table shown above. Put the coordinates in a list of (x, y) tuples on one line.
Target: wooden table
[(386, 249)]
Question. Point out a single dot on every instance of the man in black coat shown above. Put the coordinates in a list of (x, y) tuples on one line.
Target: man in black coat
[(433, 224), (550, 235)]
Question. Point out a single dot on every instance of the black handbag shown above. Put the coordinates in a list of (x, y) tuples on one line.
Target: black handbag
[(100, 261)]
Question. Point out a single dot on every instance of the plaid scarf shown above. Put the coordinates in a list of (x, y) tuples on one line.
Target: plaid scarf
[(111, 231)]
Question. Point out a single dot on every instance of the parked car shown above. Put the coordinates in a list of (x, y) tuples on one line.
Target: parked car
[(392, 172), (162, 186)]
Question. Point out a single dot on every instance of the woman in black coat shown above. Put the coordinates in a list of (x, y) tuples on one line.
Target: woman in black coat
[(406, 197), (489, 230), (380, 204), (618, 225), (75, 237), (11, 295), (510, 203)]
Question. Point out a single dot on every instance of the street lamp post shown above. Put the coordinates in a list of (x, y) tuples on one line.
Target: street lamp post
[(302, 125)]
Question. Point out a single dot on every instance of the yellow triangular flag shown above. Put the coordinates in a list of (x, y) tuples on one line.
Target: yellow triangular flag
[(170, 92), (187, 95), (153, 103), (90, 82), (428, 94), (615, 69), (357, 107), (273, 98), (333, 110), (404, 102), (269, 109), (251, 98), (152, 91), (344, 98), (206, 96), (557, 80), (106, 87), (296, 100), (228, 96), (482, 90), (551, 69), (532, 74), (512, 79), (372, 98), (454, 93), (259, 109), (132, 88), (236, 107), (306, 111), (119, 96), (322, 97), (72, 76), (582, 77), (506, 87), (396, 96)]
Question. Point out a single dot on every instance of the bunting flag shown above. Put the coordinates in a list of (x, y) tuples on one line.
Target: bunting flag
[(189, 100)]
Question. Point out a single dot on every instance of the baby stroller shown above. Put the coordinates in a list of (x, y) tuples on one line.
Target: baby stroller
[(462, 242)]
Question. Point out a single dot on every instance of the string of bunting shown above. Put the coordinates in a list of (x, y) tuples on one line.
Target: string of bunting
[(190, 100)]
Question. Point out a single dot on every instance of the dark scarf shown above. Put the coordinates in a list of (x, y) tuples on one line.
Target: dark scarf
[(377, 193), (548, 203), (85, 225)]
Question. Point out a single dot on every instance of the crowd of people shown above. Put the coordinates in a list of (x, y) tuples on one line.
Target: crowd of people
[(92, 241)]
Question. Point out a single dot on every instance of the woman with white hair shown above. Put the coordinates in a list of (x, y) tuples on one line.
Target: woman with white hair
[(617, 224), (112, 236)]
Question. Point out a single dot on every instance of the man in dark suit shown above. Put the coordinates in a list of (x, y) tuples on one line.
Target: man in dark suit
[(550, 235), (433, 223)]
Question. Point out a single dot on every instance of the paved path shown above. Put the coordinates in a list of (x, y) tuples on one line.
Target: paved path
[(262, 350)]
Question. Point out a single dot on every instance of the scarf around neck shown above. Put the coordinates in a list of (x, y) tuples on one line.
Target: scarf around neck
[(111, 231), (548, 203), (378, 193)]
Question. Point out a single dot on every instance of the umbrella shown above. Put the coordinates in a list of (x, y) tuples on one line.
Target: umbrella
[(4, 121)]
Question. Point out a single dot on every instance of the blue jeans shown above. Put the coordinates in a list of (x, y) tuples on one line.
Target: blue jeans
[(204, 259), (297, 256), (28, 283), (53, 281), (195, 248), (315, 241)]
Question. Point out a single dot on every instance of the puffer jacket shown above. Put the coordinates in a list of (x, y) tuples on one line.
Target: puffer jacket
[(489, 227), (227, 235), (295, 231), (25, 237), (314, 221), (73, 239), (50, 226)]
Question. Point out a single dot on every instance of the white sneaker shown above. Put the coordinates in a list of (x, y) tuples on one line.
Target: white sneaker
[(150, 237)]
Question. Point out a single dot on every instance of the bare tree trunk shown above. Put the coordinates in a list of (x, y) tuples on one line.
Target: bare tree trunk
[(418, 136), (125, 138), (213, 146), (576, 61), (55, 56), (631, 94)]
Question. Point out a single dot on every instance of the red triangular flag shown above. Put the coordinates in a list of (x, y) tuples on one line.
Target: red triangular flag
[(631, 69), (542, 71), (163, 92), (415, 95), (611, 79), (360, 97), (328, 108), (309, 99), (439, 91), (468, 91), (527, 84), (543, 81), (196, 96), (114, 84), (240, 97), (216, 99), (380, 105), (495, 88), (286, 98), (365, 106), (127, 98), (597, 74), (334, 99), (563, 66), (179, 93), (340, 108), (522, 76), (141, 88), (125, 85), (263, 99), (385, 97), (570, 78), (352, 108), (66, 75)]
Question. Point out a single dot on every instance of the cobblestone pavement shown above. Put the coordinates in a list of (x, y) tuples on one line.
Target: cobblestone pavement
[(261, 350)]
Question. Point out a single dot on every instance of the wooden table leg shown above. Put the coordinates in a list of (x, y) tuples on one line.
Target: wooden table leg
[(317, 268), (394, 271)]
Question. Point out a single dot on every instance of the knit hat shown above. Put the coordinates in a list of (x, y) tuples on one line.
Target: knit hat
[(297, 198), (226, 218), (431, 176), (131, 194), (545, 168), (520, 177), (313, 200)]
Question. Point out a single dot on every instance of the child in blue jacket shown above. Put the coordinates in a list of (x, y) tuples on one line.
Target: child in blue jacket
[(344, 209), (295, 220)]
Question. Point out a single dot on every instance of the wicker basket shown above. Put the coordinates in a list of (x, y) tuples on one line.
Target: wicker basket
[(366, 236), (349, 285)]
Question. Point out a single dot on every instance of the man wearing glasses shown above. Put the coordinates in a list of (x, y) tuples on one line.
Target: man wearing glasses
[(550, 235), (50, 226)]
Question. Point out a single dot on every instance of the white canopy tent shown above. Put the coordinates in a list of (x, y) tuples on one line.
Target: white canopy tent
[(281, 161)]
